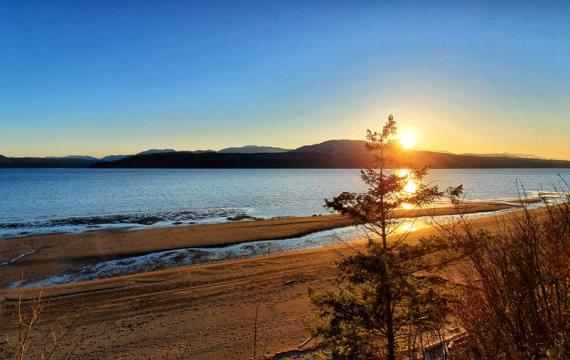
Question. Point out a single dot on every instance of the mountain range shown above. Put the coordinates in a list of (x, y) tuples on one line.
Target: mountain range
[(328, 154), (253, 149), (248, 149)]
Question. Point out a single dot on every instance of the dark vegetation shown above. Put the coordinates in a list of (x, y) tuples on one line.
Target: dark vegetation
[(31, 162)]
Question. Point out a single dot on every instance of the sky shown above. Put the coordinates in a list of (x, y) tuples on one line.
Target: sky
[(117, 77)]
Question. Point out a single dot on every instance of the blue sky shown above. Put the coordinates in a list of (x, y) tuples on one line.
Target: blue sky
[(108, 77)]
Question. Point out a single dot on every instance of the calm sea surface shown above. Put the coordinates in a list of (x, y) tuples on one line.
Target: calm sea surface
[(47, 200)]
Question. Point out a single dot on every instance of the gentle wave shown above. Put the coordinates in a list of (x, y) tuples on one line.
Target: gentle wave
[(130, 220)]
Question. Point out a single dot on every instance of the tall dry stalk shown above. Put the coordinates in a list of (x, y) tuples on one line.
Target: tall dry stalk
[(28, 317), (26, 324)]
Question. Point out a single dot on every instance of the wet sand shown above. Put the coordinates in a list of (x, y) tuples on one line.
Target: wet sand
[(38, 257)]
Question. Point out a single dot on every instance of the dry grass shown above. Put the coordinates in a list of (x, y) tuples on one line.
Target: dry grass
[(516, 302)]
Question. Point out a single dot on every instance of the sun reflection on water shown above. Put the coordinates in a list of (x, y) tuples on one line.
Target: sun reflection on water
[(407, 206), (407, 227), (411, 185), (403, 172)]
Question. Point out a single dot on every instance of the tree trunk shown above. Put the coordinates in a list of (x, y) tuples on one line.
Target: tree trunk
[(391, 337), (390, 327)]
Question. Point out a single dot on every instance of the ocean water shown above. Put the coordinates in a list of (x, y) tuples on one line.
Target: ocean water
[(69, 200)]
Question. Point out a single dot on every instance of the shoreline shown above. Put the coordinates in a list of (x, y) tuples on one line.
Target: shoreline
[(48, 255), (206, 308)]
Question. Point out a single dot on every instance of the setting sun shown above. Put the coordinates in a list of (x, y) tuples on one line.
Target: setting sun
[(408, 140)]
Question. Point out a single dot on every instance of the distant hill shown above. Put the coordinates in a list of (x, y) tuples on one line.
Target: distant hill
[(150, 151), (509, 155), (329, 154), (202, 151), (333, 154), (77, 157), (335, 147), (32, 162), (356, 146), (156, 151), (253, 149), (113, 157), (147, 152)]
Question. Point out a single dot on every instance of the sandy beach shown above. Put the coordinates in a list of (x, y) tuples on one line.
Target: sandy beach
[(203, 312), (206, 310), (37, 257)]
